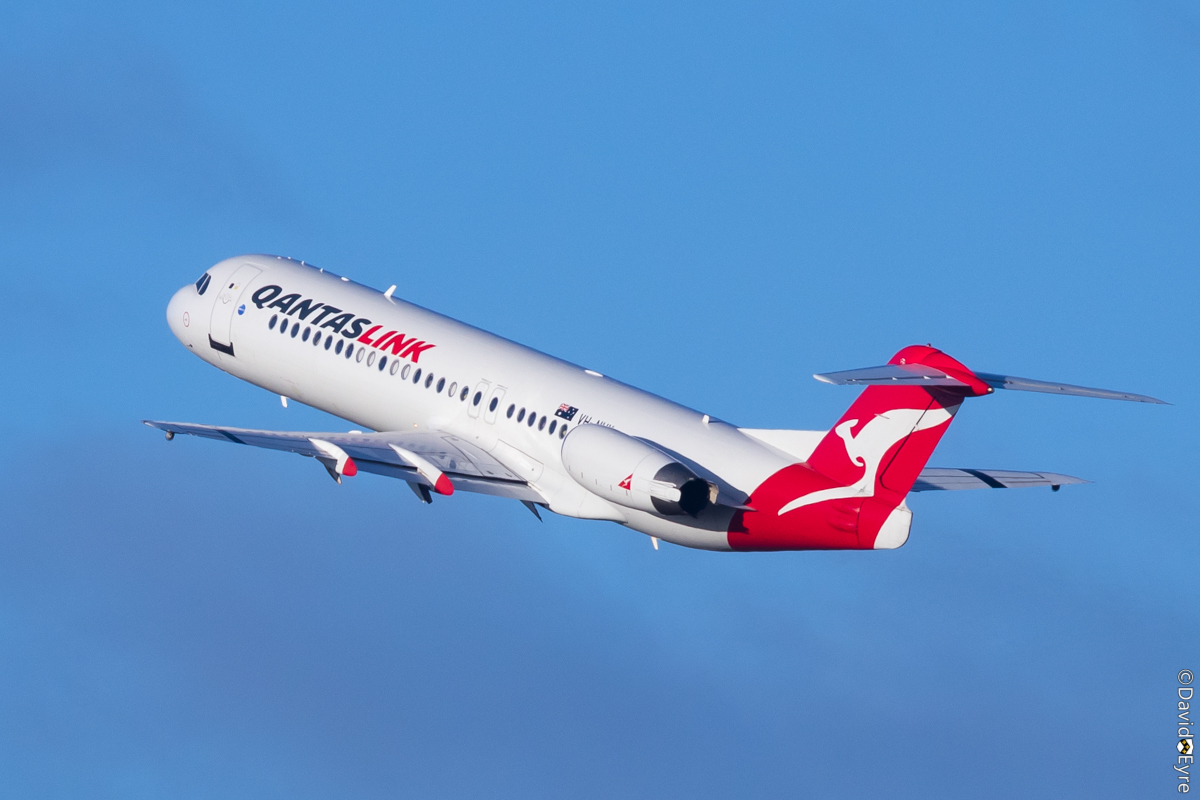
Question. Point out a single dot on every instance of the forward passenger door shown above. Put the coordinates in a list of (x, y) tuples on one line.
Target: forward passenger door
[(229, 300)]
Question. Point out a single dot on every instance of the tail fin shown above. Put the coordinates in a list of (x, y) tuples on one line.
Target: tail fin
[(850, 493), (888, 434)]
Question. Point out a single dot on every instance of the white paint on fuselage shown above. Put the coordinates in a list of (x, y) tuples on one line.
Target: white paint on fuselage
[(468, 356)]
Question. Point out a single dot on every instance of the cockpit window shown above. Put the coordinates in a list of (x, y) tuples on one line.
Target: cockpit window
[(202, 284)]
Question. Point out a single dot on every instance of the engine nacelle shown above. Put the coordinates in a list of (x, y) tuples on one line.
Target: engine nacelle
[(633, 474)]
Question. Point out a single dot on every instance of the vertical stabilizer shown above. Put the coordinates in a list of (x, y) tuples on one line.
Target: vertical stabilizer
[(850, 492)]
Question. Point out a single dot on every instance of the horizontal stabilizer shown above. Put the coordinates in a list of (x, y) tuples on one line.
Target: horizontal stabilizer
[(923, 375), (939, 479), (1027, 385), (890, 375)]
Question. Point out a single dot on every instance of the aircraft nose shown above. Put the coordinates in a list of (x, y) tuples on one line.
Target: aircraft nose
[(181, 315)]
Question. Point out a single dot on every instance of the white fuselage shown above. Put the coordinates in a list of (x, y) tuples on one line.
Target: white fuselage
[(502, 373)]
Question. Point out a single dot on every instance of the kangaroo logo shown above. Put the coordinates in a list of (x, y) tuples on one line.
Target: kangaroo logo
[(868, 448)]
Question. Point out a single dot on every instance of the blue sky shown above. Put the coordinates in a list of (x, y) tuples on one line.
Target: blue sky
[(709, 202)]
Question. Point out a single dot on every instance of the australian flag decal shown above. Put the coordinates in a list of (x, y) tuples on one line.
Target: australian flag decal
[(566, 412)]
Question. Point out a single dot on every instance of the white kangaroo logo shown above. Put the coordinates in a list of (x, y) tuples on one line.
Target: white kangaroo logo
[(869, 446)]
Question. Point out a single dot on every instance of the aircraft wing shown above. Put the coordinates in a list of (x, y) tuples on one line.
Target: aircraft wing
[(938, 479), (420, 458)]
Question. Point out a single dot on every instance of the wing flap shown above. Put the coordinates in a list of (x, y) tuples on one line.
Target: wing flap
[(942, 479)]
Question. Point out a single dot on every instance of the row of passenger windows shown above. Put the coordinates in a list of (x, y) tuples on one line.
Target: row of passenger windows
[(541, 421), (342, 347)]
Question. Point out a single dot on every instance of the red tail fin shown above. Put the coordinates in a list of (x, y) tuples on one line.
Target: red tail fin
[(852, 487), (888, 434)]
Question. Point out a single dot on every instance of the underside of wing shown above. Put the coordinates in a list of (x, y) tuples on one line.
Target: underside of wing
[(418, 457), (940, 479)]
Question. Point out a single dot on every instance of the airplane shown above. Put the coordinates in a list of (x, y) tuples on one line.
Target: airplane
[(448, 407)]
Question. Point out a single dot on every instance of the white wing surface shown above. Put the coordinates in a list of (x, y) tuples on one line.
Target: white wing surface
[(466, 466), (938, 479)]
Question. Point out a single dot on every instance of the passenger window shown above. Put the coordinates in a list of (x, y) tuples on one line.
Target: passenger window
[(295, 330), (441, 383), (562, 432), (304, 338), (395, 367), (283, 326), (349, 350), (417, 376), (521, 415), (453, 389), (463, 397), (532, 418), (404, 372), (371, 358), (542, 422), (475, 400), (553, 425), (358, 357), (495, 396), (316, 338), (328, 342), (271, 324), (510, 411), (429, 380), (338, 349), (382, 363)]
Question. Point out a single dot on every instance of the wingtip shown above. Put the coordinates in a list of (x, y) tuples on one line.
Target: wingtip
[(1054, 487)]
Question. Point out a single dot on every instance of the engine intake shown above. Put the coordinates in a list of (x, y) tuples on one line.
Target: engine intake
[(631, 473)]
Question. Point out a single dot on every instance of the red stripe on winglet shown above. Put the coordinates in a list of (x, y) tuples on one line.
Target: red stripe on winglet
[(351, 469), (443, 485)]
